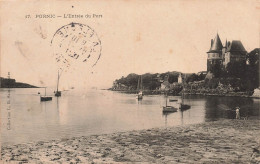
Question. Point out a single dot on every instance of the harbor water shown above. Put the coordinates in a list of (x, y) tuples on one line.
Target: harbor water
[(81, 113)]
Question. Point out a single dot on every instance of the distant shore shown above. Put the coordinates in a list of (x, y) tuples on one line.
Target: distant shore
[(223, 141), (158, 92), (11, 83), (145, 92)]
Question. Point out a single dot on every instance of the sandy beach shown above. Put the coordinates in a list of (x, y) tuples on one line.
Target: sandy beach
[(223, 141)]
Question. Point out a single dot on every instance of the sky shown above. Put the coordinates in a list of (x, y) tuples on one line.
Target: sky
[(136, 37)]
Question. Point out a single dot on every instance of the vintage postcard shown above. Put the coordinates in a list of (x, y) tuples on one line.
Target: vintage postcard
[(119, 81)]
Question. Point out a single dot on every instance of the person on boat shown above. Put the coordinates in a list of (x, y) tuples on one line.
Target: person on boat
[(237, 113)]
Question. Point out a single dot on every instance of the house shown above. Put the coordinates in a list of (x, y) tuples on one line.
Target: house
[(165, 85)]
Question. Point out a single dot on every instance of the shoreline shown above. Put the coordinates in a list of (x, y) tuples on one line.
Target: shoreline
[(223, 141), (199, 94)]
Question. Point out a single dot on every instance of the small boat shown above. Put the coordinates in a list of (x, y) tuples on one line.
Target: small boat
[(168, 108), (45, 98), (183, 106), (172, 100), (139, 96), (58, 93)]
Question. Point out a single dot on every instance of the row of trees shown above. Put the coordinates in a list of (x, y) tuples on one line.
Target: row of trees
[(149, 81)]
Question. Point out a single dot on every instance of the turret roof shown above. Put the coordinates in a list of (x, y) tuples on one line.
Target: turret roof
[(226, 44), (216, 45)]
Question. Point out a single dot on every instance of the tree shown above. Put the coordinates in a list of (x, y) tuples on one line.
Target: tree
[(252, 69), (236, 69), (193, 77), (216, 69)]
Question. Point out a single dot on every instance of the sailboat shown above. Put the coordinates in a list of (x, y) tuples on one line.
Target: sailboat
[(168, 108), (183, 106), (139, 95), (45, 98), (58, 93)]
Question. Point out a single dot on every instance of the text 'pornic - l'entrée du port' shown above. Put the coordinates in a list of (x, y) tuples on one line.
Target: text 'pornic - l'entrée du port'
[(52, 16)]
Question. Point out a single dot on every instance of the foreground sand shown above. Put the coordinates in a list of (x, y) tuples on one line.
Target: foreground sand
[(224, 141)]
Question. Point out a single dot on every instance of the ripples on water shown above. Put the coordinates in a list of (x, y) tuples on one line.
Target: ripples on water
[(78, 113)]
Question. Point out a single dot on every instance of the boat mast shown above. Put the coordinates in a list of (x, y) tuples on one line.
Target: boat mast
[(183, 84), (141, 84), (58, 82), (138, 85), (45, 91)]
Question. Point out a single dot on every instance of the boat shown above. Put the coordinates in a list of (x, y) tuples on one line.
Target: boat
[(139, 95), (183, 106), (168, 108), (58, 93), (256, 93), (45, 98)]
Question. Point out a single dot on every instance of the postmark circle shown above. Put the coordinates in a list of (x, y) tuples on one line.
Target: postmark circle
[(76, 43)]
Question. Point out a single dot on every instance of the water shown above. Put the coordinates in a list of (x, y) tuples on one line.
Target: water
[(82, 113)]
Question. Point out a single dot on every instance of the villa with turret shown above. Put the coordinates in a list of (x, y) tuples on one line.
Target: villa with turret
[(233, 51)]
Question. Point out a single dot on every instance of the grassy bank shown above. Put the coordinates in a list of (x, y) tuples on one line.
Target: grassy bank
[(224, 141)]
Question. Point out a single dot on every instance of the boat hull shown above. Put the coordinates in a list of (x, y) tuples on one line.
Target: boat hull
[(169, 109), (58, 93), (172, 100), (46, 98), (184, 107)]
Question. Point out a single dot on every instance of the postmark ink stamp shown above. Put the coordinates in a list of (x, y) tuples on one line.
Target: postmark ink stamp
[(74, 43)]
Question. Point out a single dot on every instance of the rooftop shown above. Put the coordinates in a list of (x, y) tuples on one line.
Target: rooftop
[(236, 45), (216, 46)]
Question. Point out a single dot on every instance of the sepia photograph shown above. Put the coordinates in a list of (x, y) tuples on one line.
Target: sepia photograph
[(120, 81)]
